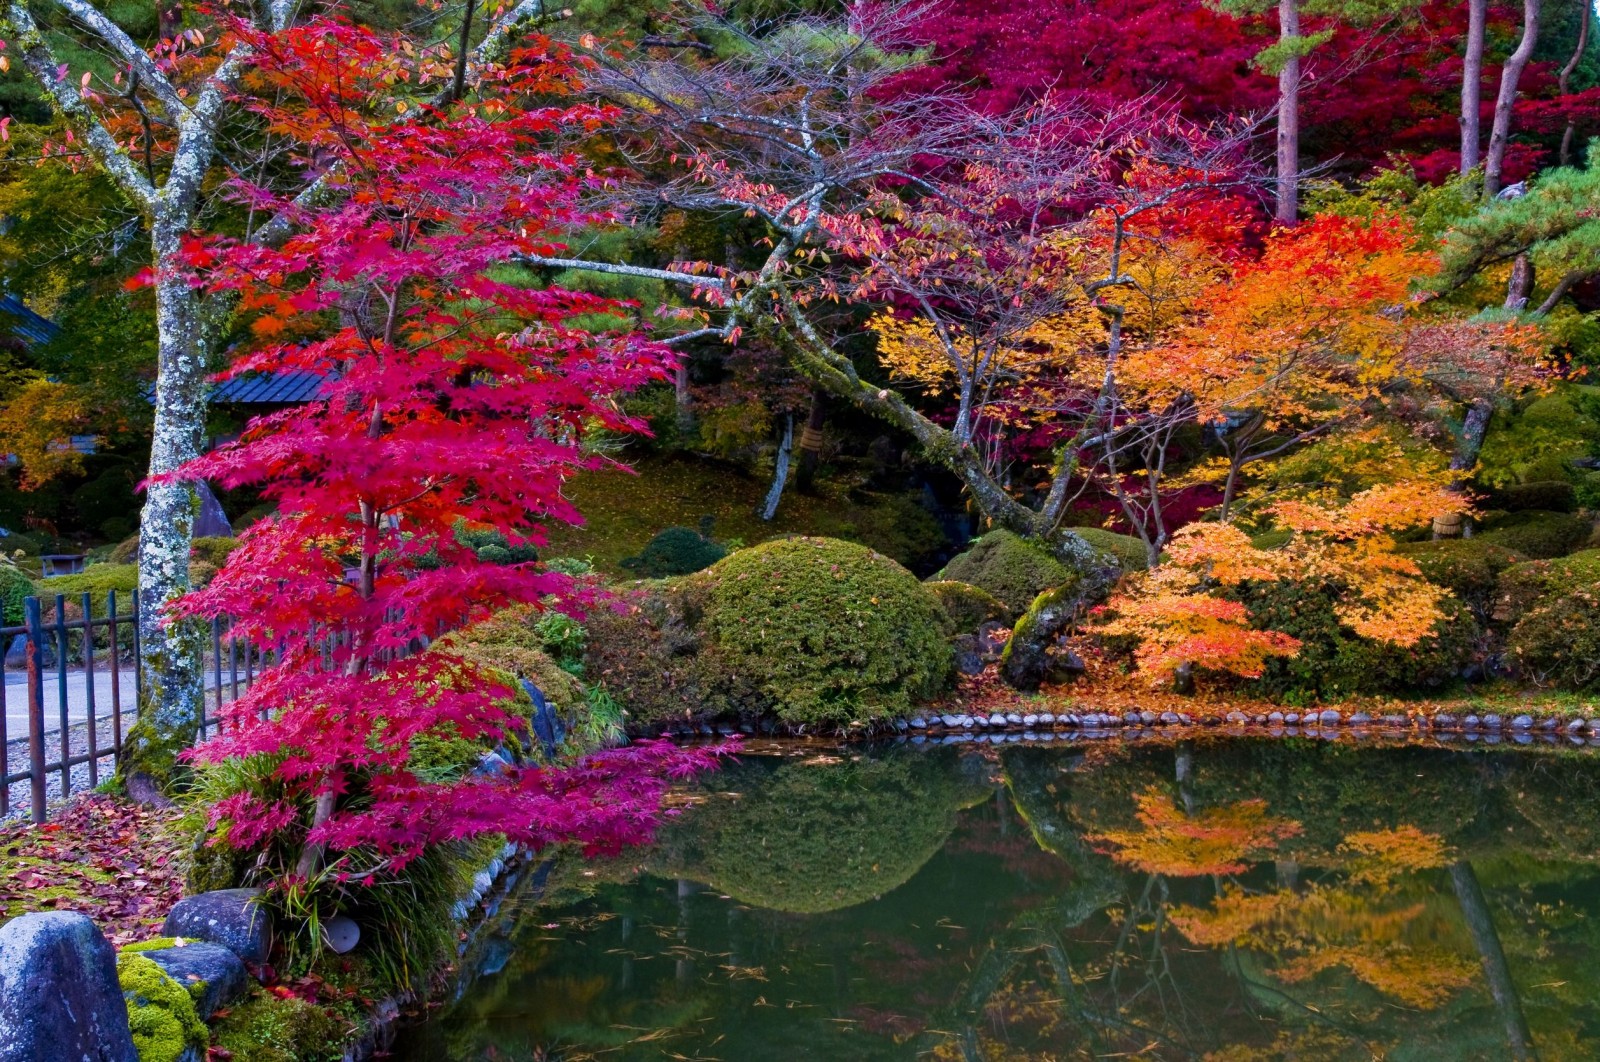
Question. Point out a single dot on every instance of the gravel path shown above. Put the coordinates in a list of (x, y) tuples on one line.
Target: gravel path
[(17, 760)]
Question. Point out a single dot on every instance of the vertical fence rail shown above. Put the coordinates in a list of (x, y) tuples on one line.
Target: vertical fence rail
[(81, 663)]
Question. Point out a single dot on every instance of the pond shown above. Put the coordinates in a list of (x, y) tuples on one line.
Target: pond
[(1220, 899)]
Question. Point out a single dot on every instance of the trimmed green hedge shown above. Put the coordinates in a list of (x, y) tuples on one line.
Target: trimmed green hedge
[(1550, 495), (676, 551), (1558, 641), (14, 588), (1539, 534), (1012, 569), (1523, 586)]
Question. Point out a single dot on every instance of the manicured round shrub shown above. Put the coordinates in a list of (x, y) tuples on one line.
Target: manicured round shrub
[(1524, 586), (1557, 643), (98, 580), (1012, 569), (675, 551), (1128, 550), (1551, 495), (213, 550), (829, 631), (1468, 567), (1334, 662), (966, 606), (1539, 534), (14, 588)]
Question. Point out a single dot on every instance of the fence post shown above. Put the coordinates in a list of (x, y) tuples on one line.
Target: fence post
[(35, 653)]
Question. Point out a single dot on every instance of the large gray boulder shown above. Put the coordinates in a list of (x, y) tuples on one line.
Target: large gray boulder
[(231, 917), (59, 996)]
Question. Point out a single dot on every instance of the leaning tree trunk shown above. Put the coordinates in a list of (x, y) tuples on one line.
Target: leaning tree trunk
[(1288, 204), (171, 670), (1510, 74), (1472, 85), (1502, 989), (1563, 83)]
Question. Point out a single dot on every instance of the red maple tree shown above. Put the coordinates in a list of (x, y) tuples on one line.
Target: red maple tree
[(455, 394)]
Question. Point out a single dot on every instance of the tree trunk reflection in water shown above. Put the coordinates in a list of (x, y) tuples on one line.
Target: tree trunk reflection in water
[(1475, 909)]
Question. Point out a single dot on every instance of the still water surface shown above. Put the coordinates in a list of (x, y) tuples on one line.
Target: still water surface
[(1226, 900)]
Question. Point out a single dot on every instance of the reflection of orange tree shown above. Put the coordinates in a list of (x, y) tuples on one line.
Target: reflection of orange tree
[(1365, 924), (1219, 840)]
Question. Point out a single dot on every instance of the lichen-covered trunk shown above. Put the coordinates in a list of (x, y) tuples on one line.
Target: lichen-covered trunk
[(172, 694)]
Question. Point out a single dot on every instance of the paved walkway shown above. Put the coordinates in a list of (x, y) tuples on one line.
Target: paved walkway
[(77, 690)]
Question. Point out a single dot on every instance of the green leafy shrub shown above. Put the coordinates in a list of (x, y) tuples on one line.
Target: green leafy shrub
[(1551, 495), (492, 548), (1129, 551), (1538, 534), (1558, 641), (1334, 662), (1523, 586), (126, 551), (966, 606), (98, 580), (1468, 567), (14, 588), (811, 630), (161, 1012), (1536, 443), (677, 551), (1012, 569)]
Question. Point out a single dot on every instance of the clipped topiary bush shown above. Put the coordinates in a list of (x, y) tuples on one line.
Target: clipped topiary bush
[(1468, 567), (1129, 551), (1334, 663), (966, 606), (214, 550), (1539, 534), (1551, 495), (809, 630), (1557, 643), (1010, 568), (98, 580), (676, 551), (126, 551), (830, 631)]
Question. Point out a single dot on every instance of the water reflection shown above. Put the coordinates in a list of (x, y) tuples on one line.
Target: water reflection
[(1223, 900)]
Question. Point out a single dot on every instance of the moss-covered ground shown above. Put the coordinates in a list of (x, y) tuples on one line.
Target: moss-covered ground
[(623, 510)]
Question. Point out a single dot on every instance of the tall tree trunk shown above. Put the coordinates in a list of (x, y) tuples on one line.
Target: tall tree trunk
[(1510, 74), (172, 694), (1472, 85), (1475, 910), (1288, 204), (1584, 14)]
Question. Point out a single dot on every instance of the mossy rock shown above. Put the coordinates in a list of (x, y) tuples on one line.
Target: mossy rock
[(812, 836), (268, 1028), (1011, 568), (1539, 534), (1129, 551), (1470, 568), (161, 1012), (965, 606)]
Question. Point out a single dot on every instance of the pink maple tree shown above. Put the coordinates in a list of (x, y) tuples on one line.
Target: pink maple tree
[(455, 394)]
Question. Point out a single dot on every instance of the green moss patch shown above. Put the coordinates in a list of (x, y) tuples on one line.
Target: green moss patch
[(966, 606), (1013, 570), (265, 1027), (161, 1012)]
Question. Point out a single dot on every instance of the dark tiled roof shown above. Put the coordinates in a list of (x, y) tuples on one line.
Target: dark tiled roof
[(269, 389), (24, 323)]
